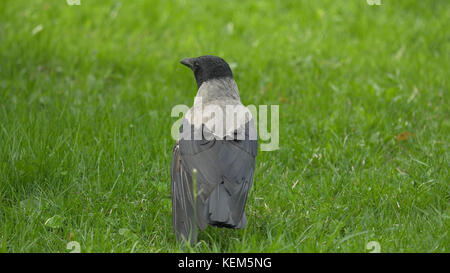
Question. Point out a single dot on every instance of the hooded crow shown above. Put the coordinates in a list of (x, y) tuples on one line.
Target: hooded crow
[(214, 158)]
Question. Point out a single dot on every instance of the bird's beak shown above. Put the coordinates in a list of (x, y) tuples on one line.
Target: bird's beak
[(188, 62)]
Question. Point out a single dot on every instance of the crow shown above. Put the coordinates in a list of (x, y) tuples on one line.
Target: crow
[(214, 158)]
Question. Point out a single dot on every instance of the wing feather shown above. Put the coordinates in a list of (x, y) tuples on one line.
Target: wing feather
[(225, 171)]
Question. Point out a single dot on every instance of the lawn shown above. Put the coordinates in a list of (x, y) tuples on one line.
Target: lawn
[(86, 94)]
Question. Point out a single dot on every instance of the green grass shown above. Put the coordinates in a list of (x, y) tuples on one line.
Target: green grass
[(85, 122)]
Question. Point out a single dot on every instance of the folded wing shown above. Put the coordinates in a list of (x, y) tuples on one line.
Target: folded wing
[(225, 171)]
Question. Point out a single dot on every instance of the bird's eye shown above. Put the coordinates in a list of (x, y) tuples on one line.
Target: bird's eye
[(196, 65)]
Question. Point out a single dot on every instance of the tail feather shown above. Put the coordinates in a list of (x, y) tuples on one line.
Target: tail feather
[(219, 208), (220, 205)]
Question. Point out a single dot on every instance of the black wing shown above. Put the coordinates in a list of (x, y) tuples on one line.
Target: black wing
[(224, 176)]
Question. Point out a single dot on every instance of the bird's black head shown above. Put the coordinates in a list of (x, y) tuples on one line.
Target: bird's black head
[(208, 67)]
